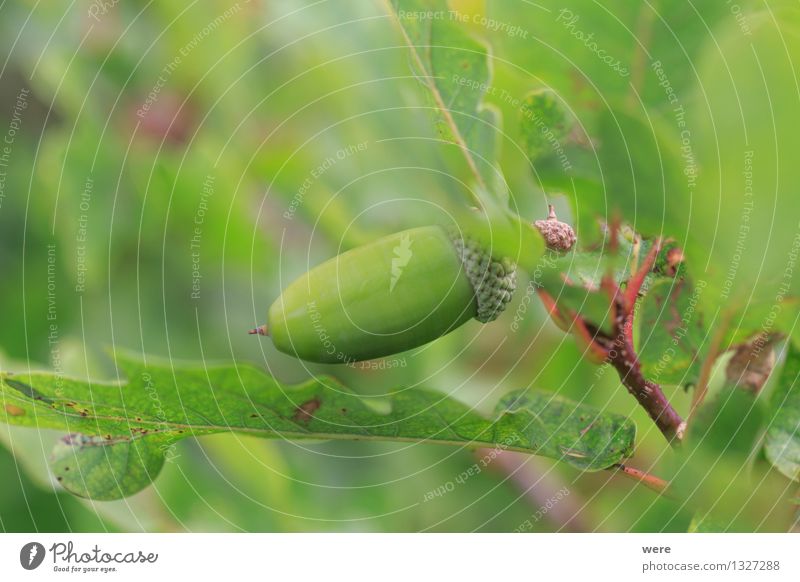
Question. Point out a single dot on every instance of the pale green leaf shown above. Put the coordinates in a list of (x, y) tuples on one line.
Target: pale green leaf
[(782, 445), (455, 69)]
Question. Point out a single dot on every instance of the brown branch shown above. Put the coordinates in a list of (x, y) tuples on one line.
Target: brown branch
[(623, 357), (652, 482), (618, 350)]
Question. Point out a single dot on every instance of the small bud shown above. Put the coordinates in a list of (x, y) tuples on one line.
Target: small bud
[(557, 235)]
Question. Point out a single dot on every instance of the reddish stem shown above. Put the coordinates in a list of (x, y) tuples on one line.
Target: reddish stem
[(623, 357), (652, 482), (637, 279)]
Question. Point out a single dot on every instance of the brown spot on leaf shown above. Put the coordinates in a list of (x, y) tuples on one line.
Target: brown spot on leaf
[(14, 410), (305, 412), (28, 391)]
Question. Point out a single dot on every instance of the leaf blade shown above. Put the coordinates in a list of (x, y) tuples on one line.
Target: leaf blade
[(782, 443), (455, 68), (163, 403)]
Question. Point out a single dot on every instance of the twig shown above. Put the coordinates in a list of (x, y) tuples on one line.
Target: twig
[(622, 355), (652, 482), (649, 394)]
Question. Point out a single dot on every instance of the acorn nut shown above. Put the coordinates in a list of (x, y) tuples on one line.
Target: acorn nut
[(395, 294)]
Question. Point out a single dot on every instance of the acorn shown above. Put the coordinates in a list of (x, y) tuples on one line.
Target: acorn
[(395, 294), (558, 235)]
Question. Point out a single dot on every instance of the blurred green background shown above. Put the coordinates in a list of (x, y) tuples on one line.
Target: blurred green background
[(174, 165)]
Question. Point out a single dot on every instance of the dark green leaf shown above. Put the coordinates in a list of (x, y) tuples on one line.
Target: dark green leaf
[(580, 435), (131, 426), (544, 123), (672, 332)]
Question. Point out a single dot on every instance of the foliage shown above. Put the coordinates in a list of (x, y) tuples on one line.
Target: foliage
[(160, 192)]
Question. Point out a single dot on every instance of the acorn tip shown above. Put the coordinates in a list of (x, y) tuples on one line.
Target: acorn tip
[(260, 330)]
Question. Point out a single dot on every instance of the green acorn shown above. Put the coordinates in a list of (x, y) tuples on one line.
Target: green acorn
[(392, 295)]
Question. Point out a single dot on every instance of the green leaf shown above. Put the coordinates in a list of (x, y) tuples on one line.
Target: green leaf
[(728, 424), (544, 123), (455, 69), (782, 445), (746, 139), (131, 426), (574, 279), (672, 332), (719, 448), (501, 231), (708, 524), (578, 434), (642, 172), (104, 470)]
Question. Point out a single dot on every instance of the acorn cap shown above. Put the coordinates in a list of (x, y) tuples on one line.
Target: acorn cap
[(494, 281), (558, 235)]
